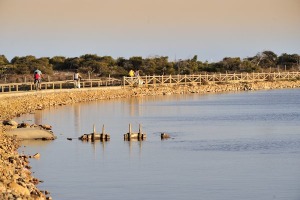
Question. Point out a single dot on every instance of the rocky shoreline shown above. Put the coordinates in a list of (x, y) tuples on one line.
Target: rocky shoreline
[(17, 181)]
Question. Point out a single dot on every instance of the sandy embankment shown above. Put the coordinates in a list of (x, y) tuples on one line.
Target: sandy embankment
[(31, 134), (14, 105)]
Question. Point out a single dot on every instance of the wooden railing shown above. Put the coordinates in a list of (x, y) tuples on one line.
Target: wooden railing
[(208, 78), (85, 83), (199, 79)]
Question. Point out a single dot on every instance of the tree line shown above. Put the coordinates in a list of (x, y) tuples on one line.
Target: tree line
[(104, 66)]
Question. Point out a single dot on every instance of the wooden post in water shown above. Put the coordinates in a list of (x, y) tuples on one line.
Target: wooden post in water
[(128, 135), (140, 132), (103, 135), (129, 132), (94, 132)]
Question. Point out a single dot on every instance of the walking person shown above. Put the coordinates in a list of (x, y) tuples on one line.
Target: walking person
[(131, 73), (77, 79)]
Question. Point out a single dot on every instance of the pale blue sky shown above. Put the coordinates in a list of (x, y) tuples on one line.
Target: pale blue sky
[(211, 29)]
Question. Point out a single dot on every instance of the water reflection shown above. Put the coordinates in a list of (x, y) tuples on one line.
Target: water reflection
[(77, 116), (135, 108), (35, 143), (38, 116), (131, 144), (96, 145), (30, 147)]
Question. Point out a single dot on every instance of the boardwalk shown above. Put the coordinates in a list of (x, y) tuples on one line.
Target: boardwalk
[(141, 81), (68, 84), (208, 78)]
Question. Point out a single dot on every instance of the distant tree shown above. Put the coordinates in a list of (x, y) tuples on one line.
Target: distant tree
[(5, 66), (99, 67), (103, 68), (161, 64), (195, 58), (108, 60), (193, 65), (185, 67), (136, 62), (216, 67), (24, 65), (117, 71), (106, 65), (269, 59), (72, 63), (287, 61), (248, 66), (86, 70), (156, 65), (230, 64), (265, 59), (43, 65), (121, 62), (169, 69), (3, 60), (23, 60), (58, 62), (148, 67), (89, 57), (202, 66)]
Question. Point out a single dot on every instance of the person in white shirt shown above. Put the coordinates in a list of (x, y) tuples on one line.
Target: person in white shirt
[(77, 78)]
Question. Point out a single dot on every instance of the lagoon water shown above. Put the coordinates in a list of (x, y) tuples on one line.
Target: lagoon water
[(242, 145)]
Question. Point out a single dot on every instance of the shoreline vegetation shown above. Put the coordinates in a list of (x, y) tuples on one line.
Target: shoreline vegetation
[(16, 179), (94, 66)]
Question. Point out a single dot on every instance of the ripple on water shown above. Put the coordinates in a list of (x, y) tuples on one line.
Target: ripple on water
[(243, 145)]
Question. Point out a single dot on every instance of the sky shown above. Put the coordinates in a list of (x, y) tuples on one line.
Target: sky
[(179, 29)]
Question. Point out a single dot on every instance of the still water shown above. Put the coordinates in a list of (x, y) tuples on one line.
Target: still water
[(242, 145)]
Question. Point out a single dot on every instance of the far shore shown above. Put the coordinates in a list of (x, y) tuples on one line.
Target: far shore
[(15, 104)]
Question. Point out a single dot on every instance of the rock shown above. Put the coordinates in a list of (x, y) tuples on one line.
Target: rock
[(19, 189), (164, 136), (23, 125), (46, 126), (36, 156), (10, 123), (2, 187)]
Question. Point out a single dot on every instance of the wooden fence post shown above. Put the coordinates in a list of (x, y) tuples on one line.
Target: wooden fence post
[(129, 132), (146, 81)]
